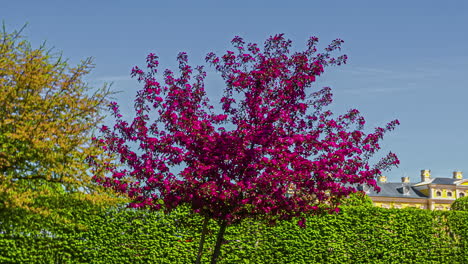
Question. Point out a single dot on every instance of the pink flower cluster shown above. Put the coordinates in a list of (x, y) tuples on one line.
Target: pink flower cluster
[(274, 132)]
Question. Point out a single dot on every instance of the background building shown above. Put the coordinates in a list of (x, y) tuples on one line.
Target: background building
[(430, 193)]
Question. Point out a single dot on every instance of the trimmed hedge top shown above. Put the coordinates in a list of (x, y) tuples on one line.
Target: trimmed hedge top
[(356, 235)]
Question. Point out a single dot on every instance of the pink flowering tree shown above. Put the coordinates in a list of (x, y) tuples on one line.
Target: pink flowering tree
[(271, 150)]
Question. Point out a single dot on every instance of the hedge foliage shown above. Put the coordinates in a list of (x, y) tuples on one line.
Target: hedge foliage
[(460, 204), (356, 235), (357, 199)]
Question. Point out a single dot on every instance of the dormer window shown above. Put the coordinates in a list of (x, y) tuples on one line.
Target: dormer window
[(366, 188), (406, 190)]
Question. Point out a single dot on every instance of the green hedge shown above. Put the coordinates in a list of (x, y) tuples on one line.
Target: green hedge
[(460, 204), (356, 235)]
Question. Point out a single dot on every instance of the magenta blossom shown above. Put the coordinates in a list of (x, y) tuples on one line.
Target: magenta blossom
[(273, 132)]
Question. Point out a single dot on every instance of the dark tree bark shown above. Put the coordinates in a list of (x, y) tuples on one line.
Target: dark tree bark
[(219, 241), (202, 240)]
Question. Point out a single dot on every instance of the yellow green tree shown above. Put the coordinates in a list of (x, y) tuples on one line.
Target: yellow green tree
[(47, 116)]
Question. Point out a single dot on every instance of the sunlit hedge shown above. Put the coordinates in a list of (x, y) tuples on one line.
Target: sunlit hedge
[(460, 204), (356, 235)]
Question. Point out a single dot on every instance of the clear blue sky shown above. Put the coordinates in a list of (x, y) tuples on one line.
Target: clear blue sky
[(408, 59)]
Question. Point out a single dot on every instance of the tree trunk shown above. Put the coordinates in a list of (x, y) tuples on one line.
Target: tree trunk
[(202, 240), (219, 241)]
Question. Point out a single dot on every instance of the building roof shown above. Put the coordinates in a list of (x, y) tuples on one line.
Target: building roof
[(447, 181), (392, 189), (405, 189)]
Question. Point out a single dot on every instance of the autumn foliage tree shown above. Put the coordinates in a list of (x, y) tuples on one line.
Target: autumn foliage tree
[(47, 115), (271, 150)]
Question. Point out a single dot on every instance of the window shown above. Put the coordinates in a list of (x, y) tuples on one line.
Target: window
[(438, 193), (449, 194), (366, 188), (406, 190), (461, 195)]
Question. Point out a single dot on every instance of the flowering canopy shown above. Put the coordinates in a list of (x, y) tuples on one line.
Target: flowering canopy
[(274, 150)]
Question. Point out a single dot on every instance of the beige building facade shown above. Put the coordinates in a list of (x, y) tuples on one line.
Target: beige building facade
[(429, 193)]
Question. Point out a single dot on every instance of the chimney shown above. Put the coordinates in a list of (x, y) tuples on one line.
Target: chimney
[(382, 179), (405, 179), (425, 175), (458, 175)]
